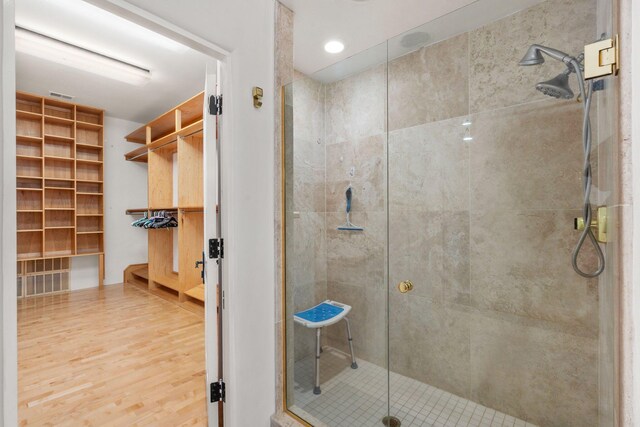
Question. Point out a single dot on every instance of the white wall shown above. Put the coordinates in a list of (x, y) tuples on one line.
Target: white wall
[(125, 187), (246, 29), (84, 273), (8, 343)]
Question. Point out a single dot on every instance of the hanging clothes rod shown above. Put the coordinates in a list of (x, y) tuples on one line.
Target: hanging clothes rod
[(136, 211), (146, 153), (169, 210)]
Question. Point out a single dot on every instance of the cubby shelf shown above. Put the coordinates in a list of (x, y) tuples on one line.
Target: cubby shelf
[(196, 292), (190, 112), (85, 125), (58, 179), (61, 120), (66, 159), (29, 103), (59, 138), (28, 115), (28, 138), (79, 144), (58, 142)]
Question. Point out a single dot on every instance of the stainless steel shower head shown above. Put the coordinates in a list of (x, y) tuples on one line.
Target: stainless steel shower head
[(558, 87), (535, 51), (532, 57)]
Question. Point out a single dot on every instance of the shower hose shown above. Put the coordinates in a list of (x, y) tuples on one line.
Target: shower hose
[(587, 232)]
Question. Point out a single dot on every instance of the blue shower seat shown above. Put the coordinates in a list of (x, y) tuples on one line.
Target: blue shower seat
[(324, 314)]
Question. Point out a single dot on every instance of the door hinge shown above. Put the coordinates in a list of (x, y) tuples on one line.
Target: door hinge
[(215, 105), (601, 58), (218, 393), (216, 248)]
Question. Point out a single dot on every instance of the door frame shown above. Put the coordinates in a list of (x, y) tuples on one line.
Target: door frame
[(9, 343)]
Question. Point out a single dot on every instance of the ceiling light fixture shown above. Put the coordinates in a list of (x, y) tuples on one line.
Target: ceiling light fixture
[(334, 46), (45, 47)]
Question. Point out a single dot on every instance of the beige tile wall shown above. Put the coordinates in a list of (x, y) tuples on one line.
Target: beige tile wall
[(356, 156), (306, 215), (482, 228)]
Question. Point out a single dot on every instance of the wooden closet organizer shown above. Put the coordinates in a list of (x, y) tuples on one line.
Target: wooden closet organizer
[(59, 167), (174, 139)]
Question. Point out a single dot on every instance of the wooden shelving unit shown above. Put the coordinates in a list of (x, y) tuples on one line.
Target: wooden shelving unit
[(174, 138), (183, 120), (59, 166)]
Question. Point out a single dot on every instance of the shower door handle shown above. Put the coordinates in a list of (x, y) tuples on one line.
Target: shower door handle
[(405, 286)]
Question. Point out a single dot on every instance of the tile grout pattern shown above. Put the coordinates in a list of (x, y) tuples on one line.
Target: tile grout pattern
[(358, 398)]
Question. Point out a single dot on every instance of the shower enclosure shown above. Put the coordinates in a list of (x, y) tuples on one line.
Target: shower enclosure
[(463, 183)]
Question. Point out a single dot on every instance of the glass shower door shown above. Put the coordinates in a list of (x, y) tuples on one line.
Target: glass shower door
[(488, 322), (430, 196), (335, 242)]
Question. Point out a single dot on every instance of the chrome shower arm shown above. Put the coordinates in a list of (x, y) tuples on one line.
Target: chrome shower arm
[(534, 55)]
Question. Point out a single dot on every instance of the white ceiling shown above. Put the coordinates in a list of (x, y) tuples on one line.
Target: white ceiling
[(366, 24), (475, 15), (359, 24), (177, 72)]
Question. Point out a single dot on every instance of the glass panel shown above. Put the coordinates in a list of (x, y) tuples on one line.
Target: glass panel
[(335, 140), (485, 179), (466, 181), (607, 194)]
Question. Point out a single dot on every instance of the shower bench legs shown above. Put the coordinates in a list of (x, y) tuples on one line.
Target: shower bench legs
[(354, 364)]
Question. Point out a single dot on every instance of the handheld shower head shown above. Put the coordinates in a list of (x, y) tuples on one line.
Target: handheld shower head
[(558, 87), (534, 55)]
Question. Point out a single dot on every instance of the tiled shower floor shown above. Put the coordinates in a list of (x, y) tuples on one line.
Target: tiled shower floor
[(358, 398)]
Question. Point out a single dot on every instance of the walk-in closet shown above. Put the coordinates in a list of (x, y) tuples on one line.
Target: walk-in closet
[(171, 146), (110, 176)]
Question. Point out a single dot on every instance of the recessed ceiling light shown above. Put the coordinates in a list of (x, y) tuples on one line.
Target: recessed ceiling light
[(334, 46)]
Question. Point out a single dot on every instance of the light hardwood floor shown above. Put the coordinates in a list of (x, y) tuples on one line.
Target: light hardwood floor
[(112, 357)]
